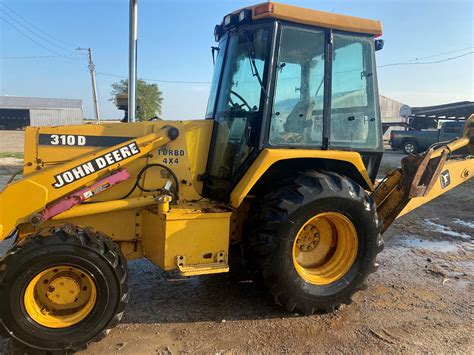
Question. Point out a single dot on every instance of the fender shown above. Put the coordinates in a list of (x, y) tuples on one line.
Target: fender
[(268, 157)]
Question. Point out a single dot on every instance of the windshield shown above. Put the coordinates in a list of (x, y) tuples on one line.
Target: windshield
[(241, 80), (215, 79), (237, 109)]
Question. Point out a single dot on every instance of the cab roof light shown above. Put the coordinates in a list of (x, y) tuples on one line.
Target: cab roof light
[(228, 20), (245, 15), (264, 8)]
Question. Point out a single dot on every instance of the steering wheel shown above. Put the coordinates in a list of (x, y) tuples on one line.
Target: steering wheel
[(244, 102)]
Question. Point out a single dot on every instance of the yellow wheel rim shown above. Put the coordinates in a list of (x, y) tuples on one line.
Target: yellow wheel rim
[(60, 297), (325, 248)]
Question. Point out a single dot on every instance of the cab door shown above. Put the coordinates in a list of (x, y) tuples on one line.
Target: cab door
[(238, 108)]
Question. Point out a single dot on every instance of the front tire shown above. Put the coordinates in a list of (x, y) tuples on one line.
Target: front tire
[(62, 289), (313, 241)]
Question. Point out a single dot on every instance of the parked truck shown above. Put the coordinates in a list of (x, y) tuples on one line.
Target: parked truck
[(414, 141)]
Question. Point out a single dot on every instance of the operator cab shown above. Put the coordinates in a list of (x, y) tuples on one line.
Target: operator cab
[(287, 77)]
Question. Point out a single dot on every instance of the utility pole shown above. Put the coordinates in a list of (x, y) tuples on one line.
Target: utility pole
[(132, 62), (94, 84)]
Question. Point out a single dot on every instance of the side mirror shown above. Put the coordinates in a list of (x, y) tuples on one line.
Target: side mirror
[(218, 31), (379, 44)]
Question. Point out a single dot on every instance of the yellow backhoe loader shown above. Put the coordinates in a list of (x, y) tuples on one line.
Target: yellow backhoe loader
[(284, 165)]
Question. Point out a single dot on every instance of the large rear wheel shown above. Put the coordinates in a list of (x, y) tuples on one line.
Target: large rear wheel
[(62, 289), (313, 241)]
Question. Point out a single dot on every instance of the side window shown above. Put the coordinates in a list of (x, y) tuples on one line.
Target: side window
[(452, 128), (297, 114), (354, 118), (349, 88)]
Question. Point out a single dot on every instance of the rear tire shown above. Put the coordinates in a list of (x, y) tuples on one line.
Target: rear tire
[(83, 268), (274, 238)]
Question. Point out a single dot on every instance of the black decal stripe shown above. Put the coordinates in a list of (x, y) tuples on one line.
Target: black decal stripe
[(91, 141)]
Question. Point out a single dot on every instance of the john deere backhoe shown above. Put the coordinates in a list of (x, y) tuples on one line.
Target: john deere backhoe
[(284, 165)]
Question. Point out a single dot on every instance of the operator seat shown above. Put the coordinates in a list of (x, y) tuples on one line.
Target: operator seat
[(298, 123)]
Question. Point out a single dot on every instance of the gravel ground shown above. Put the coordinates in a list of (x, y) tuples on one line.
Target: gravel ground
[(420, 300)]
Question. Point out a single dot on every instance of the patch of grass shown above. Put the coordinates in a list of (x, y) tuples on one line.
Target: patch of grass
[(18, 155)]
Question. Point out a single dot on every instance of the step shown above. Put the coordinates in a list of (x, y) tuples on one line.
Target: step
[(201, 269)]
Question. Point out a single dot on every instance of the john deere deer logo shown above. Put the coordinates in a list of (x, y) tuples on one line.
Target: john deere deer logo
[(445, 179)]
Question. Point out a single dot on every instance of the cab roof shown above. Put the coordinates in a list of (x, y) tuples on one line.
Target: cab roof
[(315, 18)]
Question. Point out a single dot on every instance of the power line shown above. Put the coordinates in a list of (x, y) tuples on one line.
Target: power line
[(42, 57), (438, 54), (424, 63), (36, 34), (36, 27), (30, 38), (427, 57), (58, 55), (158, 80), (379, 66)]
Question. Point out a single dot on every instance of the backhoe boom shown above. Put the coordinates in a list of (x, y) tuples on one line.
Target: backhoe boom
[(424, 177)]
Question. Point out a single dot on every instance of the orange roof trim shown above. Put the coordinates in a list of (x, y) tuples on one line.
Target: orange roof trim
[(315, 18)]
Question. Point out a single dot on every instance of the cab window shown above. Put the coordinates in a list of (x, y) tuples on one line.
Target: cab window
[(297, 117), (297, 114), (238, 105), (354, 118)]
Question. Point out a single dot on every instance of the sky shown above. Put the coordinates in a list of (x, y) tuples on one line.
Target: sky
[(175, 38)]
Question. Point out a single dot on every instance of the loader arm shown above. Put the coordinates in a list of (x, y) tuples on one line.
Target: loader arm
[(424, 177), (21, 200)]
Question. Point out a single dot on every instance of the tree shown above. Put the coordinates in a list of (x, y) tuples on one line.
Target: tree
[(150, 97)]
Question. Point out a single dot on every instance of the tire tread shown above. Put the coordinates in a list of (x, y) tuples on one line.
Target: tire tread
[(84, 237), (262, 237)]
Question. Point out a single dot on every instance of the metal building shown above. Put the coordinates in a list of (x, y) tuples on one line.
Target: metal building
[(393, 113), (18, 112), (432, 116)]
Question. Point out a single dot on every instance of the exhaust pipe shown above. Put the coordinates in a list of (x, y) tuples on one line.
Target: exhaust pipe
[(132, 62)]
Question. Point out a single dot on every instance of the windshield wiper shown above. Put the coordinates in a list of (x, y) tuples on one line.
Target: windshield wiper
[(249, 45)]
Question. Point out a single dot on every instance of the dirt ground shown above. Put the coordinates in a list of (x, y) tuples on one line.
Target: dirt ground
[(11, 141), (420, 300)]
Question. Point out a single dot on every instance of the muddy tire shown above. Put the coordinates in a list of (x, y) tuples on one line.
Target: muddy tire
[(313, 241), (62, 289)]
